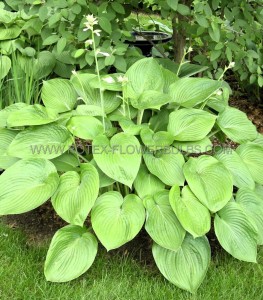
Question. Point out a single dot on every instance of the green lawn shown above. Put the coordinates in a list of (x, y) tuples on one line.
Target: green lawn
[(116, 276)]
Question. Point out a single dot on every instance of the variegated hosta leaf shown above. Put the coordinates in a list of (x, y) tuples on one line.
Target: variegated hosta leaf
[(194, 217), (103, 178), (186, 267), (144, 75), (4, 114), (150, 99), (161, 222), (240, 173), (59, 94), (252, 205), (66, 162), (188, 92), (252, 156), (26, 185), (85, 127), (88, 110), (236, 233), (204, 145), (6, 137), (119, 158), (189, 124), (45, 141), (210, 181), (31, 115), (91, 96), (146, 184), (76, 194), (5, 66), (167, 165), (157, 140), (235, 124), (71, 253), (115, 220)]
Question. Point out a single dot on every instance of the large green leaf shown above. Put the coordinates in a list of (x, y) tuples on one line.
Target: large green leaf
[(4, 114), (103, 178), (76, 194), (6, 137), (59, 95), (5, 66), (115, 220), (235, 124), (240, 173), (85, 127), (236, 233), (9, 33), (91, 96), (150, 100), (259, 140), (156, 140), (201, 146), (43, 64), (146, 184), (119, 158), (193, 216), (71, 253), (46, 141), (210, 181), (167, 165), (31, 115), (252, 155), (108, 82), (161, 222), (188, 92), (252, 205), (190, 124), (186, 267), (26, 185), (144, 75), (66, 162), (88, 110)]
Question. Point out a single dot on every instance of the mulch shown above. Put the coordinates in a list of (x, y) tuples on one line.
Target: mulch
[(40, 224)]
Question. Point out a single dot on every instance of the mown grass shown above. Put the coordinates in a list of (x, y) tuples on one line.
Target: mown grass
[(117, 277)]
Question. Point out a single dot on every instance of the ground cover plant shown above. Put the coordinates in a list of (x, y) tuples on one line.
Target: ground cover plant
[(117, 152)]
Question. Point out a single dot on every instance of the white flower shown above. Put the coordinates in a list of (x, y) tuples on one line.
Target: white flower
[(219, 92), (89, 42), (190, 49), (74, 72), (232, 64), (97, 32), (108, 79), (91, 21), (104, 53), (122, 79)]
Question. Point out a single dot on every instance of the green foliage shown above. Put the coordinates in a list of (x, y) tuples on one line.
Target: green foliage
[(220, 32), (115, 160)]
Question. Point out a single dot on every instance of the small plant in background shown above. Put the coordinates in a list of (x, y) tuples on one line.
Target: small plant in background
[(148, 160)]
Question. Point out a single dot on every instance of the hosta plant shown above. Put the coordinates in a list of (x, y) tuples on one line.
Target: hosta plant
[(119, 152)]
